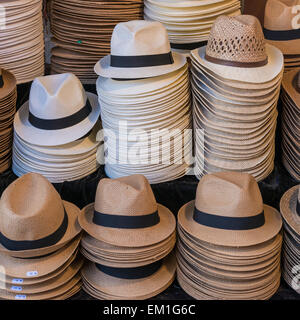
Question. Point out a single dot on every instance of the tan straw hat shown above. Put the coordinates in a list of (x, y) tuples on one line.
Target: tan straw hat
[(291, 85), (125, 213), (34, 220), (229, 211), (8, 83)]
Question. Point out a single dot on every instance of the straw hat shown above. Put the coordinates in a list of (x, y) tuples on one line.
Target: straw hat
[(279, 27), (34, 220), (134, 220), (58, 111), (228, 210), (139, 49)]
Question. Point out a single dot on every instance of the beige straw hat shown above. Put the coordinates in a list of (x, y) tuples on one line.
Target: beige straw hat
[(8, 83), (135, 219), (291, 85), (34, 220), (229, 211)]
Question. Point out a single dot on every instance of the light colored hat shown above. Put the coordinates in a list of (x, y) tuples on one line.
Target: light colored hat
[(229, 211), (134, 220), (34, 220), (139, 49), (58, 111), (281, 25)]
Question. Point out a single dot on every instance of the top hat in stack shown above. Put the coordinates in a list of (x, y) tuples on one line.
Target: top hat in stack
[(127, 242)]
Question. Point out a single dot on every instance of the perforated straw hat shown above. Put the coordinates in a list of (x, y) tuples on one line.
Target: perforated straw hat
[(125, 213), (139, 49), (34, 220)]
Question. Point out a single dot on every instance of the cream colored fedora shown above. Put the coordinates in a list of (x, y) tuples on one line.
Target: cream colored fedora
[(34, 220), (281, 26), (135, 219), (139, 49), (229, 211), (58, 111)]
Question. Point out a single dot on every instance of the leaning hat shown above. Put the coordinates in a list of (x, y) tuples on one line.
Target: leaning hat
[(229, 211), (290, 208), (58, 111), (8, 83), (139, 49), (281, 26), (291, 85), (236, 50), (34, 220), (125, 213)]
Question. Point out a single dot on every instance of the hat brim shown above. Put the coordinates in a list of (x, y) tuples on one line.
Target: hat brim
[(72, 231), (234, 238), (129, 237), (103, 69), (41, 137), (286, 47), (10, 83)]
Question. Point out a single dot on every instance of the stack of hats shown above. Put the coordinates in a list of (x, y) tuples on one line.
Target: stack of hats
[(236, 85), (39, 239), (229, 241), (22, 39), (290, 211), (55, 131), (82, 31), (128, 242), (291, 122), (282, 29), (8, 99), (188, 22), (148, 113)]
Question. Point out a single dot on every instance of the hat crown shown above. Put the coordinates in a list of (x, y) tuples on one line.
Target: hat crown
[(56, 96), (139, 38), (30, 209), (237, 39), (126, 196), (229, 194), (279, 14)]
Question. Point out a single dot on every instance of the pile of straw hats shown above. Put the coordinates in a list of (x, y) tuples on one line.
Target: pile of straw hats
[(229, 241), (82, 32), (8, 98), (128, 242), (148, 113), (282, 29), (39, 239), (236, 84), (22, 39), (55, 131), (188, 22), (291, 122), (290, 211)]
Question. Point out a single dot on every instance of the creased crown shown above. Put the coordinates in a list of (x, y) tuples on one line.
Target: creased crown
[(56, 96), (30, 209), (229, 194), (126, 196), (138, 38)]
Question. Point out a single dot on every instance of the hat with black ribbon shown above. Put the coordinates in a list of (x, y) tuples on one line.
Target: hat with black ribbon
[(139, 49), (34, 220), (229, 211), (125, 213)]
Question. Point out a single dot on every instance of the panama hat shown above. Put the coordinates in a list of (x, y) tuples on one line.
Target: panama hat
[(58, 111), (34, 220), (135, 220), (139, 49)]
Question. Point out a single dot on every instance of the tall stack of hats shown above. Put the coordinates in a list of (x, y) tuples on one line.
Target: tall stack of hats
[(144, 95), (291, 122), (82, 31), (290, 211), (188, 22), (236, 84), (55, 131), (39, 239), (229, 241), (282, 29), (128, 242), (22, 38), (8, 99)]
